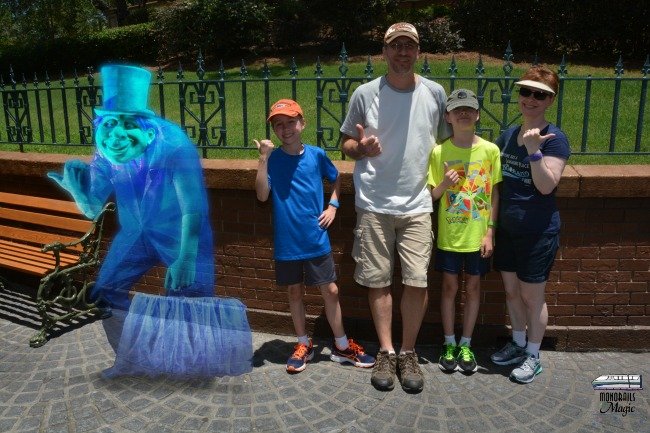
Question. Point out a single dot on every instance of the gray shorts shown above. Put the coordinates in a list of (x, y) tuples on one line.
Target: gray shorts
[(376, 237), (312, 272)]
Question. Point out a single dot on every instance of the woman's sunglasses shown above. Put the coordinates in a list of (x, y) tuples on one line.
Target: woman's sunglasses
[(540, 96)]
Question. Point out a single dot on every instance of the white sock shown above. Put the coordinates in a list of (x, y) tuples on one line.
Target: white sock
[(341, 342), (519, 338), (450, 339), (401, 352), (465, 340), (533, 349), (304, 340)]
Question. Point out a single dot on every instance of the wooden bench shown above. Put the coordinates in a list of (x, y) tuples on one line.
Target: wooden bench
[(53, 240)]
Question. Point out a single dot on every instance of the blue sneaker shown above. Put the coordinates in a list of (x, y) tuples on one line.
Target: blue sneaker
[(509, 354), (301, 355), (354, 355)]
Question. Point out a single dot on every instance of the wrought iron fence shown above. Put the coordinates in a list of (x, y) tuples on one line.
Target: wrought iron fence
[(222, 112)]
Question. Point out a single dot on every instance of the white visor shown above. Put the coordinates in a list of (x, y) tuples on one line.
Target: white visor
[(535, 85)]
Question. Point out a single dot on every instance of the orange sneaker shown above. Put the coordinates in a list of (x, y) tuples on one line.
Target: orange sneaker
[(354, 355), (301, 355)]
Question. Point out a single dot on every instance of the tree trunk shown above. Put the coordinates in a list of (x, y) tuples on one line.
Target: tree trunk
[(122, 11)]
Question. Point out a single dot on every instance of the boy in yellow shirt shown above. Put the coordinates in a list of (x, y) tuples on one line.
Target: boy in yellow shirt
[(463, 172)]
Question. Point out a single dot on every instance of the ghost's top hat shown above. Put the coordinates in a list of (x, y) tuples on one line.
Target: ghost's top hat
[(125, 90)]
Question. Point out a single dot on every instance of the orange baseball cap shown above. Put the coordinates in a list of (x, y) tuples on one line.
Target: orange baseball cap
[(288, 107)]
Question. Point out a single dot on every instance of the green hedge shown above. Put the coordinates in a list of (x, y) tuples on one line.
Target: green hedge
[(217, 27), (134, 43), (595, 29), (227, 29)]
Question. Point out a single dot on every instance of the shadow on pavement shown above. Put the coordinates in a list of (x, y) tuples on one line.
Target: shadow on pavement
[(278, 351), (18, 305)]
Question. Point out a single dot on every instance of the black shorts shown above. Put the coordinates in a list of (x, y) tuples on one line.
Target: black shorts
[(531, 257)]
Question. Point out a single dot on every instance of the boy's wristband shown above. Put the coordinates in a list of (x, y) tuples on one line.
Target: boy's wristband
[(334, 203), (492, 224)]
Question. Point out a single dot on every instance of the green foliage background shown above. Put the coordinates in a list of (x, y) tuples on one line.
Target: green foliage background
[(586, 30), (38, 35)]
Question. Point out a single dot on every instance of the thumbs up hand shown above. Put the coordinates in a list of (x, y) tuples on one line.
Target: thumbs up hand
[(368, 146), (533, 138), (451, 176), (265, 147)]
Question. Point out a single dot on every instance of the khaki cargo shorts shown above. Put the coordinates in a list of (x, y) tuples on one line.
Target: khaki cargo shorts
[(377, 236)]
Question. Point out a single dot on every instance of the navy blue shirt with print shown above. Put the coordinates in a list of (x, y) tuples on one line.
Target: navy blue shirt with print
[(522, 208)]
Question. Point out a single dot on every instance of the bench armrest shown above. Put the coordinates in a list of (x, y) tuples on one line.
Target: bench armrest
[(89, 241)]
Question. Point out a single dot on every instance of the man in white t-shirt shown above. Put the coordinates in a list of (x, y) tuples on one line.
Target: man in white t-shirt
[(392, 124)]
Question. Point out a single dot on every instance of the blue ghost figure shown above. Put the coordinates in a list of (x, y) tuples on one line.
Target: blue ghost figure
[(155, 173)]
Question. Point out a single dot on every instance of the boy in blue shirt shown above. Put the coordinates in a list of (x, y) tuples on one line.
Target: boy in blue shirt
[(293, 176)]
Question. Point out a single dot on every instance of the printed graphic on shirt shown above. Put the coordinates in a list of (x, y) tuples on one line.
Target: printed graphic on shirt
[(516, 169), (469, 199)]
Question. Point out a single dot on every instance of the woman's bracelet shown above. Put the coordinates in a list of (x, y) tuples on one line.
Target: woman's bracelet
[(534, 157)]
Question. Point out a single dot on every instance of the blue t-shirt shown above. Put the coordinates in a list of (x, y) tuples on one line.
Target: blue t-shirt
[(296, 183), (522, 208)]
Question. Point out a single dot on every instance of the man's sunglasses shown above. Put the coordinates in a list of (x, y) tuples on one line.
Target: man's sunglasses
[(409, 46), (540, 96)]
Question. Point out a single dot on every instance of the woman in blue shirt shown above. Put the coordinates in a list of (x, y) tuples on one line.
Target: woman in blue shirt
[(533, 157)]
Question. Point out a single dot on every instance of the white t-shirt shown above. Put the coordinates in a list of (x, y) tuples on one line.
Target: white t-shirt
[(408, 124)]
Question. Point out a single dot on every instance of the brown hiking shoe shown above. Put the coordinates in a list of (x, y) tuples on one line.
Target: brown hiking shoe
[(410, 374), (384, 371)]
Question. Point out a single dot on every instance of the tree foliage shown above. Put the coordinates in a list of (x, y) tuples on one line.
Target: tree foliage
[(44, 20), (214, 26), (229, 28), (556, 26)]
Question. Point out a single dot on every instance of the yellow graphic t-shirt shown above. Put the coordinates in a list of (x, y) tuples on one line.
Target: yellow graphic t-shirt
[(464, 209)]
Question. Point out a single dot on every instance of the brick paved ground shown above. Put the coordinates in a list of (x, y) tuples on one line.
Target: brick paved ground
[(58, 388)]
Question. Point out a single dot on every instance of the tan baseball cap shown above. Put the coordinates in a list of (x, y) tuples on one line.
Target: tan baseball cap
[(401, 29)]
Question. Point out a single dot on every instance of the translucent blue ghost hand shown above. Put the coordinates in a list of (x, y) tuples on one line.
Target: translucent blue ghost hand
[(182, 272), (76, 180)]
